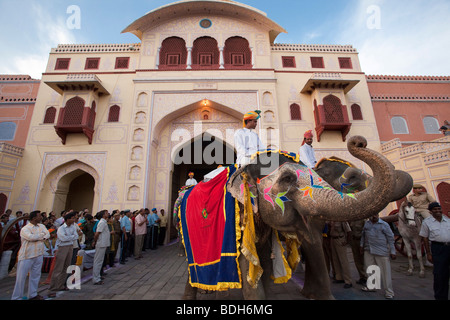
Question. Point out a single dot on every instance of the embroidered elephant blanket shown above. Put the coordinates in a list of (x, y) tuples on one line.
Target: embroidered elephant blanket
[(210, 231)]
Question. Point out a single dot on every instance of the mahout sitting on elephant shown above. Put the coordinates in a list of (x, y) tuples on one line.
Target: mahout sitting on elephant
[(294, 200)]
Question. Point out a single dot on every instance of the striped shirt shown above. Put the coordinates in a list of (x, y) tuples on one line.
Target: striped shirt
[(32, 237)]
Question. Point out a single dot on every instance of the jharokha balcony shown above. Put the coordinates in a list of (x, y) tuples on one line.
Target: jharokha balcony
[(76, 118), (332, 115)]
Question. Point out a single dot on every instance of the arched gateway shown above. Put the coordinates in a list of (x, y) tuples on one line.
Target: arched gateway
[(198, 137)]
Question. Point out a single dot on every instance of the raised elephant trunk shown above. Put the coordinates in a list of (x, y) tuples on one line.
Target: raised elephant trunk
[(337, 206)]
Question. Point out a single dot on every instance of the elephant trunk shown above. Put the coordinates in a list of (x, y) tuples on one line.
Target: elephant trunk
[(336, 206)]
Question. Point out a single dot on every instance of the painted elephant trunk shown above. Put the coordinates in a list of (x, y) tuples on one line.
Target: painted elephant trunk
[(338, 206)]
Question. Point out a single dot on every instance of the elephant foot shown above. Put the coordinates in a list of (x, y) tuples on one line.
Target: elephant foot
[(190, 293), (317, 295)]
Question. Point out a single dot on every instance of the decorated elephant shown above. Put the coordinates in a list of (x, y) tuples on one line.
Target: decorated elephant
[(288, 197)]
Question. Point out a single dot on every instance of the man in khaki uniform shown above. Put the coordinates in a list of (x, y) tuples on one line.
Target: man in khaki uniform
[(420, 200), (340, 236), (358, 257)]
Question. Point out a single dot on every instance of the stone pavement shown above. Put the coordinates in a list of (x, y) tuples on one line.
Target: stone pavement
[(162, 275)]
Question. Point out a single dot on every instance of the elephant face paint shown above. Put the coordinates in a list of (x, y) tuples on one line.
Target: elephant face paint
[(303, 174)]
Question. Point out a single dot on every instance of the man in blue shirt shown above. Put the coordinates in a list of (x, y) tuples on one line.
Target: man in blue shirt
[(125, 226), (152, 231), (377, 243)]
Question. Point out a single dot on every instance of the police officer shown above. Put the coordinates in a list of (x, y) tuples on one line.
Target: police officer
[(436, 229)]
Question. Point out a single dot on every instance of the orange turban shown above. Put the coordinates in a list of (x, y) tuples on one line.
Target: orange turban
[(308, 134), (252, 115)]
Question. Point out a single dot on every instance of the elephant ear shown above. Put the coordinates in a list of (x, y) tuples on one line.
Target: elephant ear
[(236, 187)]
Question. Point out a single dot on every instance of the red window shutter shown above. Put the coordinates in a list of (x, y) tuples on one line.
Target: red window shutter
[(237, 59), (345, 63), (288, 62), (205, 53), (62, 64), (50, 115), (317, 62), (333, 109), (295, 112), (356, 112), (74, 111), (237, 53), (173, 54), (122, 62), (92, 63), (114, 113)]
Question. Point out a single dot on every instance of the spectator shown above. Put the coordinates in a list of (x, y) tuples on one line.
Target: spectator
[(30, 257), (115, 236), (88, 231), (140, 231), (340, 234), (125, 225), (377, 244), (436, 229), (67, 234), (358, 257), (191, 181), (162, 227), (59, 222), (153, 221), (101, 243)]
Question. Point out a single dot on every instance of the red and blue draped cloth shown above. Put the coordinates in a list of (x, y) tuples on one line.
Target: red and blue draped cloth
[(210, 230)]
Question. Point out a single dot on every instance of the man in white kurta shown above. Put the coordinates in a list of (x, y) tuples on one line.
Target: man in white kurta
[(307, 155), (246, 141), (30, 257), (101, 242), (191, 181)]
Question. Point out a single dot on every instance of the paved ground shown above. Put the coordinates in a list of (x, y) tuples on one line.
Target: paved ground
[(162, 274)]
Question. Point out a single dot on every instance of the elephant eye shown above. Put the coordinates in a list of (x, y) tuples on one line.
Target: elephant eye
[(288, 179)]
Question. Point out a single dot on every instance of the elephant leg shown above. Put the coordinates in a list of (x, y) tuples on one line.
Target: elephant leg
[(317, 280), (264, 253), (190, 293), (248, 291), (407, 243)]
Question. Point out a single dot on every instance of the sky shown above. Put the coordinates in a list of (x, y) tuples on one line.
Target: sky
[(393, 37)]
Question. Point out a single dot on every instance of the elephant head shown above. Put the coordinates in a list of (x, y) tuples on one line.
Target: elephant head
[(288, 193), (342, 175), (346, 177)]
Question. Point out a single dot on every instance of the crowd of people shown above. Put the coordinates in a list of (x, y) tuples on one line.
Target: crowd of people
[(49, 240)]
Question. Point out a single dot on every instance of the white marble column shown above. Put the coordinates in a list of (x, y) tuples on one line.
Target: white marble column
[(189, 58), (221, 59)]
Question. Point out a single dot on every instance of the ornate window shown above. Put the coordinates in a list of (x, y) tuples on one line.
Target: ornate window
[(356, 112), (92, 63), (345, 63), (122, 62), (399, 125), (173, 54), (333, 109), (62, 64), (317, 62), (114, 113), (288, 62), (205, 53), (295, 112), (50, 115), (74, 111), (237, 53)]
